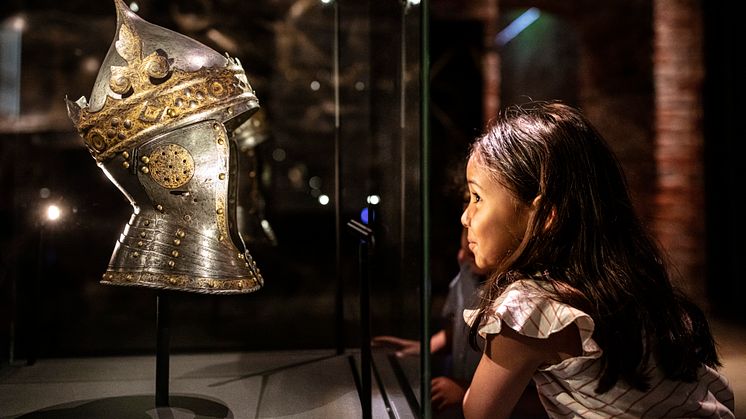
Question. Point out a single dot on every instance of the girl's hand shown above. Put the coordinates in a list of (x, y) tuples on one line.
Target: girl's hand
[(402, 347), (446, 393)]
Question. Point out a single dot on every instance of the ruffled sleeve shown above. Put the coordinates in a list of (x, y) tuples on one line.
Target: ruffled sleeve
[(526, 308)]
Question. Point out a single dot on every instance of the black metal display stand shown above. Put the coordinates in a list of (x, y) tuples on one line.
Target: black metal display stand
[(163, 320), (366, 246)]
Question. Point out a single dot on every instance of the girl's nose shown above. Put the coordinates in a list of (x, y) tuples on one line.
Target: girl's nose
[(465, 217)]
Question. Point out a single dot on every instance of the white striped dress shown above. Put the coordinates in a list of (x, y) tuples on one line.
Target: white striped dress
[(566, 388)]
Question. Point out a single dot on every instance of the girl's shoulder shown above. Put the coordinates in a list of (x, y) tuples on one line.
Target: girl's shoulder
[(528, 307)]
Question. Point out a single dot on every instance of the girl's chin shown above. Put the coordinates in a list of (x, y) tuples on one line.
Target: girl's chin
[(481, 265)]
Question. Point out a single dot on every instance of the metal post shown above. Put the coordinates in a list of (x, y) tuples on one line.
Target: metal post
[(163, 320), (366, 244)]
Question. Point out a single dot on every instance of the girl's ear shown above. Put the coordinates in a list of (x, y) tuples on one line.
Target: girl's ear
[(551, 218), (552, 215)]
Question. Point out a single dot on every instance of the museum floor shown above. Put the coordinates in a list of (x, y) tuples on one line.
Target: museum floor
[(272, 384), (281, 384)]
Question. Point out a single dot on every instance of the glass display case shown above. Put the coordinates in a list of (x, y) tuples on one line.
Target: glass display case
[(336, 149)]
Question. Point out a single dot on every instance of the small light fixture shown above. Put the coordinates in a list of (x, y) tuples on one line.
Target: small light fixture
[(53, 213)]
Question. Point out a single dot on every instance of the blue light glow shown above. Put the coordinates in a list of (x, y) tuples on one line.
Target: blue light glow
[(364, 215), (517, 26)]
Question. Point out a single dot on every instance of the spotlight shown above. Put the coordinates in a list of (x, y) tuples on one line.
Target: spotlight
[(373, 199), (53, 213)]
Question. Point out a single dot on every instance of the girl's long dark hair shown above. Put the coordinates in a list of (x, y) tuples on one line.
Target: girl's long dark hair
[(586, 240)]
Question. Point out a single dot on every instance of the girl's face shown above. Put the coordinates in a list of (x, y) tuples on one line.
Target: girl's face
[(496, 221)]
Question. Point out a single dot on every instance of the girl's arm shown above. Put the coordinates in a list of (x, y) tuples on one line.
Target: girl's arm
[(508, 363)]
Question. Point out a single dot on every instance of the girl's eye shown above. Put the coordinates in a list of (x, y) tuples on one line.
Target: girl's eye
[(476, 198)]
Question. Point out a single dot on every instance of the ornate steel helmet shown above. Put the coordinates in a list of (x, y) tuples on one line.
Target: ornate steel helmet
[(159, 124)]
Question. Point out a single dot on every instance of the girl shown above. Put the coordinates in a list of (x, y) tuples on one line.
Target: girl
[(580, 300)]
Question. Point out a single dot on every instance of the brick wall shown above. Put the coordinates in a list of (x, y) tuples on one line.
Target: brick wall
[(679, 199)]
